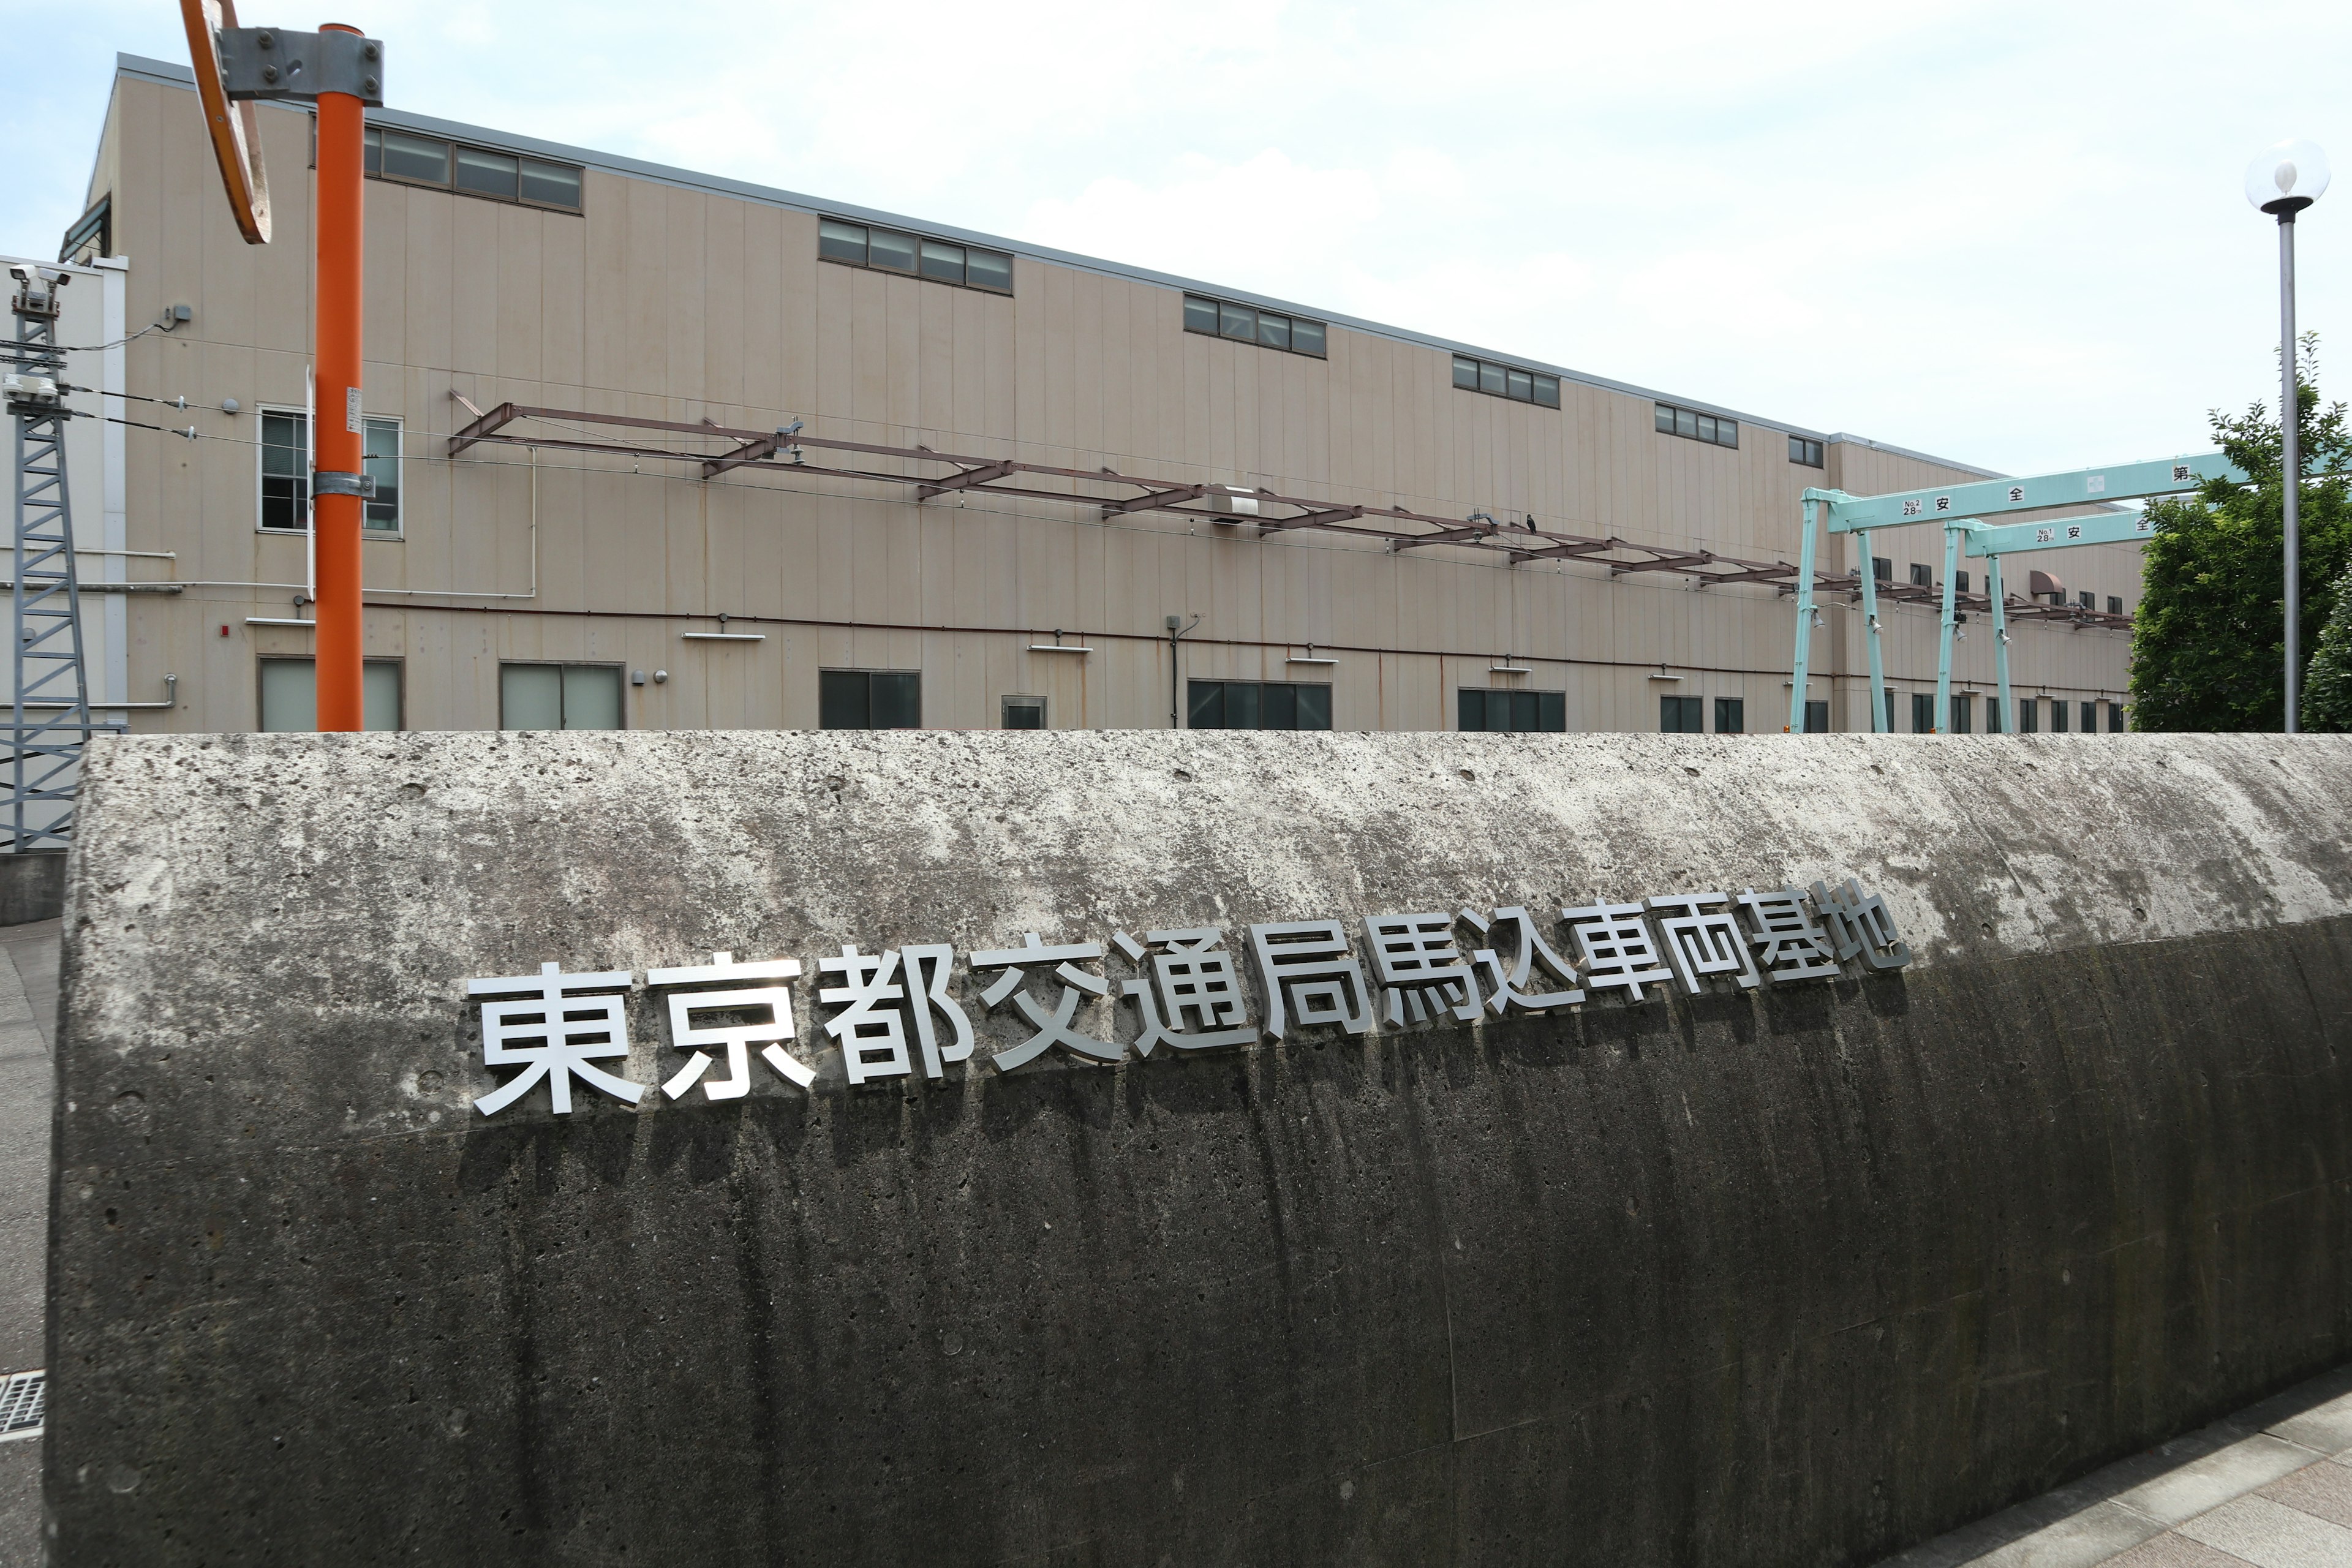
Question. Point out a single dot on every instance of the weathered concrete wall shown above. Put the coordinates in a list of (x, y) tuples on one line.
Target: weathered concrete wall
[(32, 885), (1788, 1279)]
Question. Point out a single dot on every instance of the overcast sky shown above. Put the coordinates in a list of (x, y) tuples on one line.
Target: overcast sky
[(2008, 234)]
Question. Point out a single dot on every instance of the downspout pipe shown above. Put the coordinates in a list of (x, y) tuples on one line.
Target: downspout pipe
[(1176, 630)]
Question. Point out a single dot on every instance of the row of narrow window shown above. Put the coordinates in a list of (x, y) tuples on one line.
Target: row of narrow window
[(1723, 431), (915, 256), (1247, 323), (1687, 715), (415, 159), (539, 696), (1924, 576), (1504, 381), (1717, 429), (2029, 714), (530, 695), (862, 245), (542, 695)]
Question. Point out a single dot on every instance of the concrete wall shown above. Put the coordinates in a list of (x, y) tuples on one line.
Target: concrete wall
[(1793, 1277), (678, 296), (32, 885)]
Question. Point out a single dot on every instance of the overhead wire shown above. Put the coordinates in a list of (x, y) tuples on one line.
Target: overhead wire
[(79, 347), (191, 433), (179, 402)]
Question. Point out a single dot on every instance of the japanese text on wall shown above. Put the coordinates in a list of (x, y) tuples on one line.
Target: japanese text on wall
[(894, 1015)]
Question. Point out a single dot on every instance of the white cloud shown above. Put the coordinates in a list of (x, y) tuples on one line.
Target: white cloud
[(1288, 218), (2009, 232)]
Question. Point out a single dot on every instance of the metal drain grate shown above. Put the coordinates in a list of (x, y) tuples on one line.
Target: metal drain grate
[(24, 1402)]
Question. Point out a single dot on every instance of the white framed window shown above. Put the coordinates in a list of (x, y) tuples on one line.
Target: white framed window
[(1508, 710), (284, 460), (869, 699), (381, 464), (285, 472), (560, 697), (289, 695)]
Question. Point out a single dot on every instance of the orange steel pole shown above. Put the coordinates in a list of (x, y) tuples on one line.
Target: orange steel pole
[(339, 444)]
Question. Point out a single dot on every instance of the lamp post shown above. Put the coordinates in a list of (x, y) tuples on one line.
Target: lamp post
[(2283, 181)]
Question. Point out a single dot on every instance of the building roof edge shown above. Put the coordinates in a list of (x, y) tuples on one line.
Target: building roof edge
[(168, 73), (1892, 450)]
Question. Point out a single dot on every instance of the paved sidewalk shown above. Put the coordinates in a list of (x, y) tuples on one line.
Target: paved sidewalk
[(28, 1012), (2270, 1487)]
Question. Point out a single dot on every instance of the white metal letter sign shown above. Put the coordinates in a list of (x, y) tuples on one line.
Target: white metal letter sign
[(895, 1014)]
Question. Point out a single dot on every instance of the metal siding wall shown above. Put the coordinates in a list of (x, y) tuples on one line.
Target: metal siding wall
[(671, 303)]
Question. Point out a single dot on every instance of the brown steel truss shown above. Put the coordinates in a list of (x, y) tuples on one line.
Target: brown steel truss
[(1111, 494)]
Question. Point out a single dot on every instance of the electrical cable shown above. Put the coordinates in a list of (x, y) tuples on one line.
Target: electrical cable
[(180, 402), (190, 434), (81, 348)]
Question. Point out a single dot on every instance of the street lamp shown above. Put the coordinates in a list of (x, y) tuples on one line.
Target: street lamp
[(2283, 181)]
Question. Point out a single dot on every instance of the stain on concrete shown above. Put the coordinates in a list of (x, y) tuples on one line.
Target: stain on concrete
[(1791, 1278)]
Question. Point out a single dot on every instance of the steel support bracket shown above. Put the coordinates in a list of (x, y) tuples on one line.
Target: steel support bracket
[(967, 478), (32, 396), (273, 63), (36, 289), (1151, 500), (327, 482)]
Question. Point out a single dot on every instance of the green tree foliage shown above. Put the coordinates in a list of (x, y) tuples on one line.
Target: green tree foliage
[(2208, 644), (2328, 684)]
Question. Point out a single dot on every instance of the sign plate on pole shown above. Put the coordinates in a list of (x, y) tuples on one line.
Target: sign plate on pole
[(1977, 498), (2061, 533), (236, 134)]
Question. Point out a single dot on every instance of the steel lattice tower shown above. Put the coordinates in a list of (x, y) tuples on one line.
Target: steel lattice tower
[(44, 761)]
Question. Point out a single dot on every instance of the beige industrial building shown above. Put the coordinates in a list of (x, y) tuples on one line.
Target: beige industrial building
[(801, 463)]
